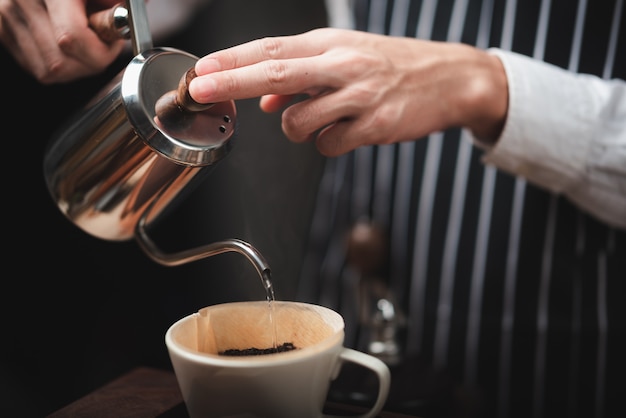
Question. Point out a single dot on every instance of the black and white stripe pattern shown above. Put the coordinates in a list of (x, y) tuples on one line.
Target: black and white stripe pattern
[(510, 288)]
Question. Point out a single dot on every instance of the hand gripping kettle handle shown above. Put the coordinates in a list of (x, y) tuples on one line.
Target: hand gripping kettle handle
[(128, 20)]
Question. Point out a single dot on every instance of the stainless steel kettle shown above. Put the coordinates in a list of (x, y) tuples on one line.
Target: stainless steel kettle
[(115, 166)]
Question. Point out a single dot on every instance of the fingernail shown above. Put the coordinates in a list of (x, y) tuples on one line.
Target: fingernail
[(202, 89)]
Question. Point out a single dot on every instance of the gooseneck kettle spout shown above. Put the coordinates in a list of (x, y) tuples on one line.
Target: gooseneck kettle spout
[(198, 253), (208, 250)]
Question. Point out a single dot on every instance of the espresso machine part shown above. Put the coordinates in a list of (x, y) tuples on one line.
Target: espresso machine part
[(383, 323), (115, 166)]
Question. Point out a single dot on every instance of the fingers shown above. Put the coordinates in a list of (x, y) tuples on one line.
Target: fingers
[(344, 136), (76, 39), (334, 140), (271, 48), (274, 102), (340, 121), (335, 120), (301, 120), (337, 138), (279, 65), (351, 81), (52, 40), (283, 77), (22, 23)]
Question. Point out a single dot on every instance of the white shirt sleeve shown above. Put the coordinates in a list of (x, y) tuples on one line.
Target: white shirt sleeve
[(565, 132)]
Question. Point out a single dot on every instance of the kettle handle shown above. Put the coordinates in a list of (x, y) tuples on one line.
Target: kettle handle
[(111, 24), (124, 22)]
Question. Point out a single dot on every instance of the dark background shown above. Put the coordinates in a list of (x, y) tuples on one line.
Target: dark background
[(77, 311)]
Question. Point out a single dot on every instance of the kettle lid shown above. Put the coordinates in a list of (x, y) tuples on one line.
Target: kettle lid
[(199, 138)]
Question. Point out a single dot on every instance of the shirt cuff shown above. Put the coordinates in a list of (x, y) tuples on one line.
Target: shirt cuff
[(546, 137)]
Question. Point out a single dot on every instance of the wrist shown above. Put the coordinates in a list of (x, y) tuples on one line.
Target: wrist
[(486, 98)]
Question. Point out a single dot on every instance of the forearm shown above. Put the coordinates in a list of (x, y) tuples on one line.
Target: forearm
[(567, 133)]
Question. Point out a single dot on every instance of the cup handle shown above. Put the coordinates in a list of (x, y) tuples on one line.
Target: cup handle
[(382, 372)]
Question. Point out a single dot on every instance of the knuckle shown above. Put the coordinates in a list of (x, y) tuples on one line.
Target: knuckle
[(8, 9), (53, 68), (275, 72), (229, 59), (67, 42), (381, 126), (50, 73), (228, 84), (270, 47), (384, 116)]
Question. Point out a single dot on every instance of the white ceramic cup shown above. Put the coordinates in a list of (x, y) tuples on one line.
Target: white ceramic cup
[(287, 384)]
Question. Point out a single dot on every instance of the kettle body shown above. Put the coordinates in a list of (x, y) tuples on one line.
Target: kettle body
[(113, 162), (117, 164)]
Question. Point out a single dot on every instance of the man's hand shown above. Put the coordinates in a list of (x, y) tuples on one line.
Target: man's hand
[(360, 88), (52, 40)]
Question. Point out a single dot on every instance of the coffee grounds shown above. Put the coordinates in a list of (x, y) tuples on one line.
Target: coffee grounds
[(253, 351)]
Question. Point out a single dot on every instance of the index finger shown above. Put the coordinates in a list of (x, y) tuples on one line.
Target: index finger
[(279, 65), (270, 48), (76, 38)]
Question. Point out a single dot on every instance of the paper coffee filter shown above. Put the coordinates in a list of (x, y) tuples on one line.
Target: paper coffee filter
[(249, 324)]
